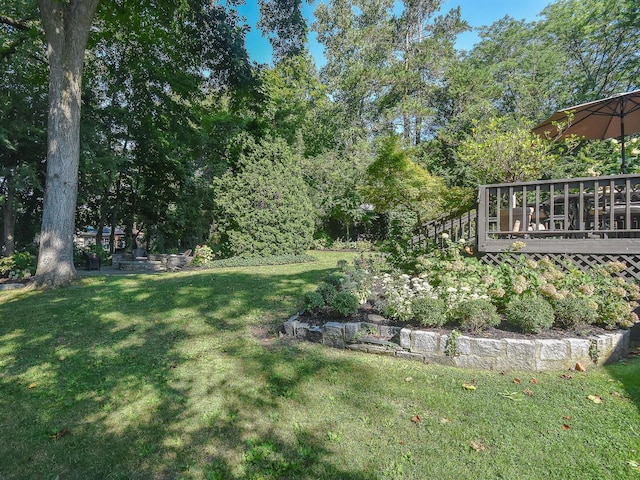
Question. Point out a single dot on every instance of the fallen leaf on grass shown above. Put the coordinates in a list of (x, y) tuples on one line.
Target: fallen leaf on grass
[(408, 379), (595, 398), (444, 421), (565, 426), (616, 394), (60, 433), (468, 386), (567, 417), (633, 464), (33, 385), (478, 446), (528, 392), (581, 367), (516, 380), (416, 419), (534, 380), (566, 377), (511, 396)]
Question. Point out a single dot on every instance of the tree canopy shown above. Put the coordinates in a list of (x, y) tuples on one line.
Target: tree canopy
[(160, 97)]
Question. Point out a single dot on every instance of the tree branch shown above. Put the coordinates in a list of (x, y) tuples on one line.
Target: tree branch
[(13, 23)]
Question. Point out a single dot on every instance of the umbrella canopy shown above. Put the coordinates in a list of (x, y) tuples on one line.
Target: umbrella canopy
[(606, 118)]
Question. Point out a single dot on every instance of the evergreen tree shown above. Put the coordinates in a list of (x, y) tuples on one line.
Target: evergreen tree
[(262, 203)]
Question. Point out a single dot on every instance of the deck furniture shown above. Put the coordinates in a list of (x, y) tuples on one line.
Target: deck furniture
[(579, 215)]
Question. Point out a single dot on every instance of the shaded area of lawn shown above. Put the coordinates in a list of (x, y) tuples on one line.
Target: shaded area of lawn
[(156, 376), (184, 376)]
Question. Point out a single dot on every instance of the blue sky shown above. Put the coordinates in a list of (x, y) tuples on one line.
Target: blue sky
[(476, 12)]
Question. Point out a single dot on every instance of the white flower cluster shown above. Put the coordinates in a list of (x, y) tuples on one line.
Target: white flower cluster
[(454, 296), (398, 293), (19, 274)]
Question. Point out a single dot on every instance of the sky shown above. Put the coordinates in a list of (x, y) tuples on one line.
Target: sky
[(476, 12)]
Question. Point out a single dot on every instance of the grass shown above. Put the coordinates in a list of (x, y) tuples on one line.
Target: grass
[(183, 376)]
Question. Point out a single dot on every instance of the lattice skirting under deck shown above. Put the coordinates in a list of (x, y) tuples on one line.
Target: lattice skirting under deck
[(582, 261)]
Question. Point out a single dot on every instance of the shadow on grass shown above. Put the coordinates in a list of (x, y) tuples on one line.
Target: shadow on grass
[(162, 377)]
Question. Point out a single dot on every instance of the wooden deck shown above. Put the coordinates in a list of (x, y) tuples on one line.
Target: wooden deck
[(593, 215), (579, 221)]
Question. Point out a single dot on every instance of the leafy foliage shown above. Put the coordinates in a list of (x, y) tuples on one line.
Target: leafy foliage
[(202, 255), (531, 313), (327, 291), (19, 265), (262, 203), (572, 311), (429, 311), (477, 315), (345, 303), (260, 261), (312, 302), (500, 153), (396, 181)]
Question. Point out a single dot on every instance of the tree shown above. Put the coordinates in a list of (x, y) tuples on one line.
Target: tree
[(358, 40), (23, 130), (522, 69), (66, 26), (146, 158), (284, 25), (395, 181), (262, 202), (499, 151), (599, 41), (424, 48)]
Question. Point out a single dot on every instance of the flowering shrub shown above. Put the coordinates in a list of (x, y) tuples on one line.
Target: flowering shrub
[(18, 266), (398, 292), (611, 299), (203, 255), (457, 280)]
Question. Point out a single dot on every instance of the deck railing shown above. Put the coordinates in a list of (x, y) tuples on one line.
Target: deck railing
[(461, 227), (597, 215)]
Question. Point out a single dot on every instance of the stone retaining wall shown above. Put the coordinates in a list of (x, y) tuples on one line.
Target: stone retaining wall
[(465, 351)]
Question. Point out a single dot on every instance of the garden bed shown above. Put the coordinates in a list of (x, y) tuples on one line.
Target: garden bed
[(492, 349), (368, 313)]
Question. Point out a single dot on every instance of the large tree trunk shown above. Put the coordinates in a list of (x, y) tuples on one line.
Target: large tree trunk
[(66, 25)]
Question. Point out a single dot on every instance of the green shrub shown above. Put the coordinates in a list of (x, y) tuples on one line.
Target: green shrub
[(327, 291), (262, 203), (312, 302), (429, 312), (345, 304), (337, 279), (203, 255), (477, 315), (531, 313), (570, 312), (19, 265)]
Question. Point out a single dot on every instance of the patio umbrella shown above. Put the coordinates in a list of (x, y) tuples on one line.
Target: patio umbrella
[(606, 118)]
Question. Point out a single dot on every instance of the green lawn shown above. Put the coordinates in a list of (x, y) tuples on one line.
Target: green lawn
[(183, 375)]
